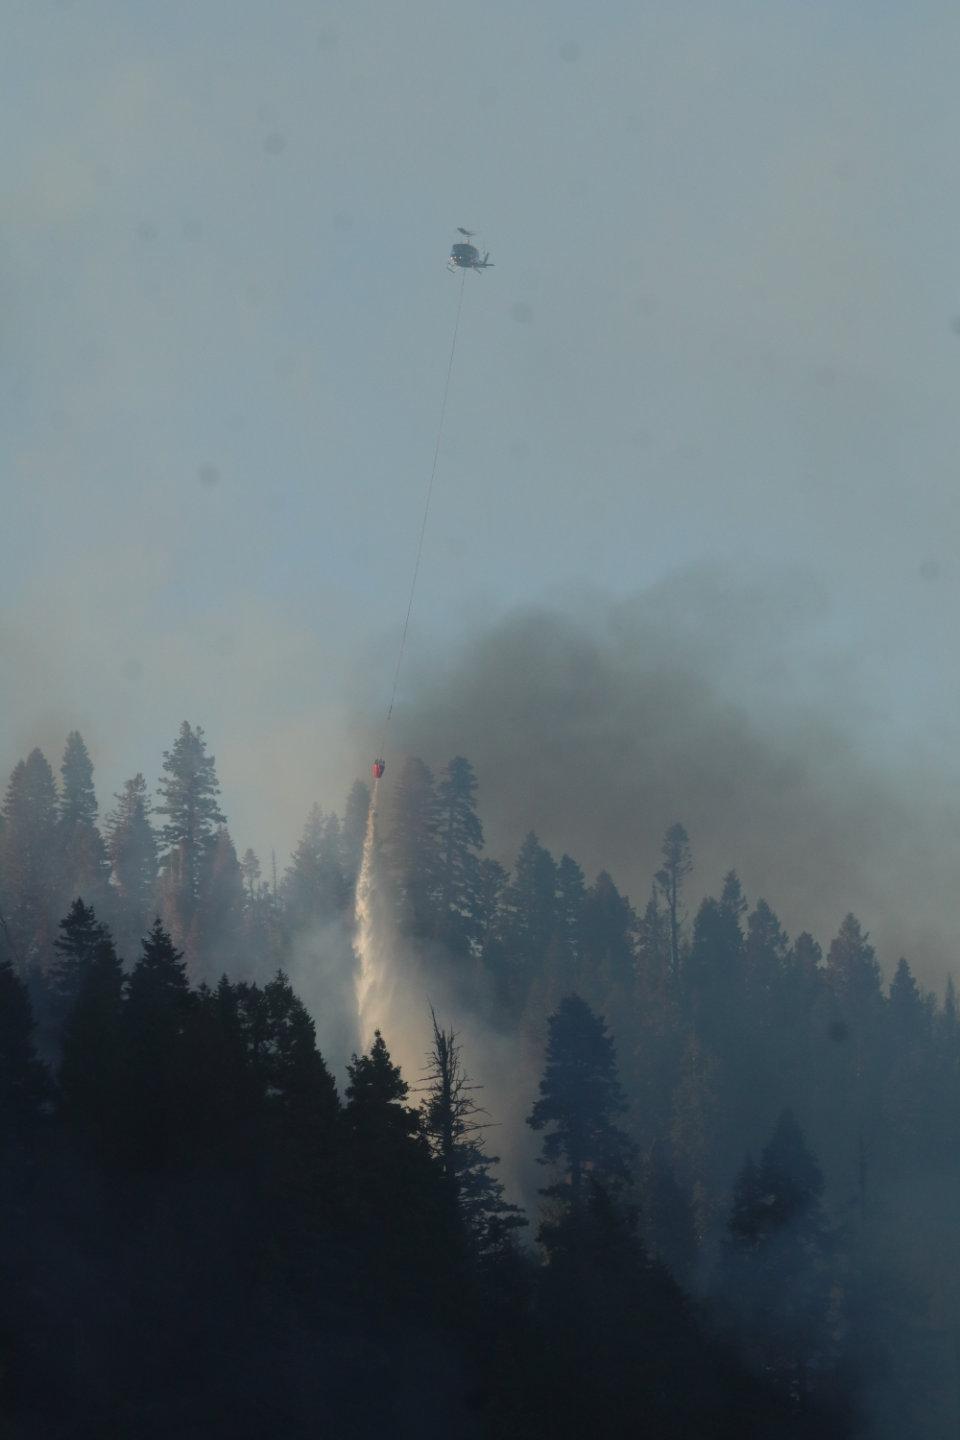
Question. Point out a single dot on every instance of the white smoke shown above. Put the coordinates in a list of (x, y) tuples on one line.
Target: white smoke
[(391, 989)]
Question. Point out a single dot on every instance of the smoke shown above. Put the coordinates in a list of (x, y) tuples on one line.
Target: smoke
[(374, 981), (740, 707), (397, 983), (391, 986)]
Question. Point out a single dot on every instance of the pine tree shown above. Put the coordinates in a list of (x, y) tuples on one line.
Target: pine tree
[(25, 1084), (78, 801), (353, 830), (460, 840), (529, 921), (695, 1124), (189, 791), (608, 937), (315, 889), (401, 1213), (714, 972), (262, 930), (453, 1127), (216, 940), (81, 935), (300, 1112), (571, 899), (677, 865), (580, 1098), (157, 1087), (29, 870), (85, 867), (376, 1093), (908, 1014), (948, 1030), (412, 849), (852, 970), (774, 1279), (765, 953), (92, 1080), (132, 848)]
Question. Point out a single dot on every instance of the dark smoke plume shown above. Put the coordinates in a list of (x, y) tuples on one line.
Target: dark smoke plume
[(727, 704)]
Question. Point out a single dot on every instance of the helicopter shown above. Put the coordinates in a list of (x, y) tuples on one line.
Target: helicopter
[(377, 768), (464, 256)]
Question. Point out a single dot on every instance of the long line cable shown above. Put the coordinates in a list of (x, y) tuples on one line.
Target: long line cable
[(426, 515)]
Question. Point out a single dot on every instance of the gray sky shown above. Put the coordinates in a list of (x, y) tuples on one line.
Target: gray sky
[(720, 332)]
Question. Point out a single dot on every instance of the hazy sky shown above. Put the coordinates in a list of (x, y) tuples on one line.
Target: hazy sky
[(720, 332)]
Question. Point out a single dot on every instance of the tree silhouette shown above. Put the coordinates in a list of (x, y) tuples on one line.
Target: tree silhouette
[(580, 1098)]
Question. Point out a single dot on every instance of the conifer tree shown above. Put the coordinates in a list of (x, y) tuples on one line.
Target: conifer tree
[(714, 975), (460, 840), (353, 830), (412, 849), (571, 899), (157, 1012), (132, 848), (85, 867), (92, 1079), (29, 869), (948, 1029), (216, 940), (908, 1015), (300, 1110), (695, 1126), (402, 1214), (852, 970), (78, 801), (580, 1100), (25, 1083), (764, 952), (454, 1129), (376, 1093), (189, 792), (529, 920), (774, 1277), (81, 935), (654, 963), (608, 937), (677, 865), (314, 886)]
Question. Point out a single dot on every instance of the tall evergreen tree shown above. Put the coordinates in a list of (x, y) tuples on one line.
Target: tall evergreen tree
[(608, 940), (852, 970), (189, 791), (85, 867), (78, 800), (157, 1012), (714, 978), (216, 941), (314, 887), (92, 1080), (677, 865), (460, 840), (132, 848), (400, 1210), (580, 1100), (412, 849), (353, 830), (529, 921), (30, 878), (774, 1276), (81, 935), (25, 1084), (454, 1129)]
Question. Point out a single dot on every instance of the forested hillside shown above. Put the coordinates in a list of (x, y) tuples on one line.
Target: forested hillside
[(747, 1220)]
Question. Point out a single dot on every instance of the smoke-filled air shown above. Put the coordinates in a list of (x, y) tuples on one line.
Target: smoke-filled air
[(479, 721)]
